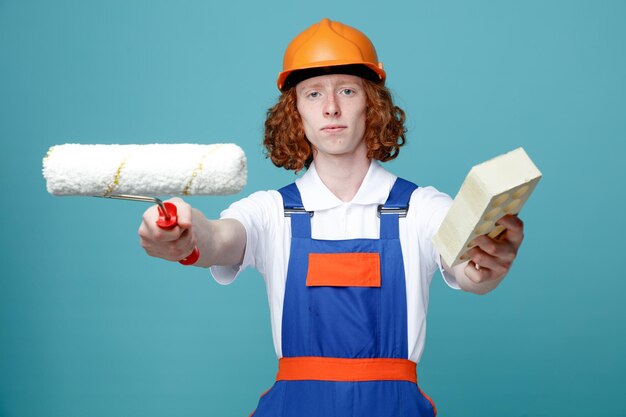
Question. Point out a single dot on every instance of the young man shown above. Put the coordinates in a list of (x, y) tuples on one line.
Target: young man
[(346, 250)]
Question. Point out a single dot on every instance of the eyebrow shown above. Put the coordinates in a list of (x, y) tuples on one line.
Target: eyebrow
[(340, 81)]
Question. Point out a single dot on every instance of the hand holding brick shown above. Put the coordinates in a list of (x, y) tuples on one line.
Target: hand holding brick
[(491, 190)]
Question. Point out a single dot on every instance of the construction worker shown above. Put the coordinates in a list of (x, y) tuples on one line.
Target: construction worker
[(346, 250)]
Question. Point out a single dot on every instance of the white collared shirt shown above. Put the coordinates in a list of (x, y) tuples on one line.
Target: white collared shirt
[(268, 239)]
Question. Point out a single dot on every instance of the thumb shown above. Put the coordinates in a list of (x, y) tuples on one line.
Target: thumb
[(183, 213)]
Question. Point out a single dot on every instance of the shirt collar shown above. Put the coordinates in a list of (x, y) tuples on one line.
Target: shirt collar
[(374, 189)]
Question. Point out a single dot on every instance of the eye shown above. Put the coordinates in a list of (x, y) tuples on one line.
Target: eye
[(313, 94), (347, 92)]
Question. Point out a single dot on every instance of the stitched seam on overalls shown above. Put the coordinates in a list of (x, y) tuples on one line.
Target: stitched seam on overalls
[(379, 330)]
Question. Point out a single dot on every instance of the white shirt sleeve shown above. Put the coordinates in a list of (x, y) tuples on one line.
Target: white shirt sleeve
[(258, 213), (432, 206)]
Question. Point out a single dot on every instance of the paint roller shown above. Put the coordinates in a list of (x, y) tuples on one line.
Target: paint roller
[(141, 172)]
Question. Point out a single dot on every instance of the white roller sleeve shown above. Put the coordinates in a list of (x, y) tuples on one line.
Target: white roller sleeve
[(151, 170)]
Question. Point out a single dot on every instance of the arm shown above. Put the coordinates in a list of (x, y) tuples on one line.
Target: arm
[(220, 242), (491, 259)]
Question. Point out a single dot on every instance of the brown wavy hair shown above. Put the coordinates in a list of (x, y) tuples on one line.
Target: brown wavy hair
[(287, 146)]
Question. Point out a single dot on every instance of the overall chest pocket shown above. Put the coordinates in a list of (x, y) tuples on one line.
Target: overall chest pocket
[(344, 301)]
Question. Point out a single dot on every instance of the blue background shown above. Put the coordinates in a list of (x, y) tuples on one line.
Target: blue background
[(91, 326)]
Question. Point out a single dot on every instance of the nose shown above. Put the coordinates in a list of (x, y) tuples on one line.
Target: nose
[(331, 106)]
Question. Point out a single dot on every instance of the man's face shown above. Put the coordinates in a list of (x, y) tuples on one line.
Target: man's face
[(332, 108)]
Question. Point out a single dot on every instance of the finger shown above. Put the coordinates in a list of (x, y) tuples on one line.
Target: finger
[(475, 274), (484, 261), (184, 215), (478, 274), (171, 250), (153, 233), (186, 243), (151, 215), (514, 229), (150, 231), (179, 248), (500, 248)]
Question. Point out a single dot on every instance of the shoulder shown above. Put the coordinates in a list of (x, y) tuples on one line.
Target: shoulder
[(427, 204), (430, 196), (263, 205), (268, 198)]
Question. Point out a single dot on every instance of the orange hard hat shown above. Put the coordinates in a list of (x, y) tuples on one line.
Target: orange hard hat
[(329, 47)]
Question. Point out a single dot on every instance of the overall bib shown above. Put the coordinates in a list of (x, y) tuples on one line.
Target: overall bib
[(344, 326)]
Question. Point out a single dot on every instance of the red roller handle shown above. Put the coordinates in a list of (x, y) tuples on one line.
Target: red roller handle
[(169, 220)]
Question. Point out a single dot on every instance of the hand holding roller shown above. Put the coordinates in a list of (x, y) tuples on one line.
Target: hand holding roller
[(134, 172), (168, 219)]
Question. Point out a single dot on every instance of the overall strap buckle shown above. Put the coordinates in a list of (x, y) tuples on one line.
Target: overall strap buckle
[(289, 211), (400, 211)]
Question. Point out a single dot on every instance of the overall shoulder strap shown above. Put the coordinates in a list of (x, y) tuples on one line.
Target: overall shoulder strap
[(400, 194), (396, 206), (291, 196), (293, 207)]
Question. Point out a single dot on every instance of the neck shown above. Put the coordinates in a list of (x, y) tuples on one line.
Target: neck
[(342, 177)]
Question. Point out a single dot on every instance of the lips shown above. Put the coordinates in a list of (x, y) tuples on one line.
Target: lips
[(333, 128)]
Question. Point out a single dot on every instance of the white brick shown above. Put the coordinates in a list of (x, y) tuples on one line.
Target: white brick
[(492, 189)]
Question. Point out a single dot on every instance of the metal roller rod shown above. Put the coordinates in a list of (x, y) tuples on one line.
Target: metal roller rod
[(140, 198)]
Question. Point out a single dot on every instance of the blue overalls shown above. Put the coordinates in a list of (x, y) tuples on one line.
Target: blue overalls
[(344, 337)]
